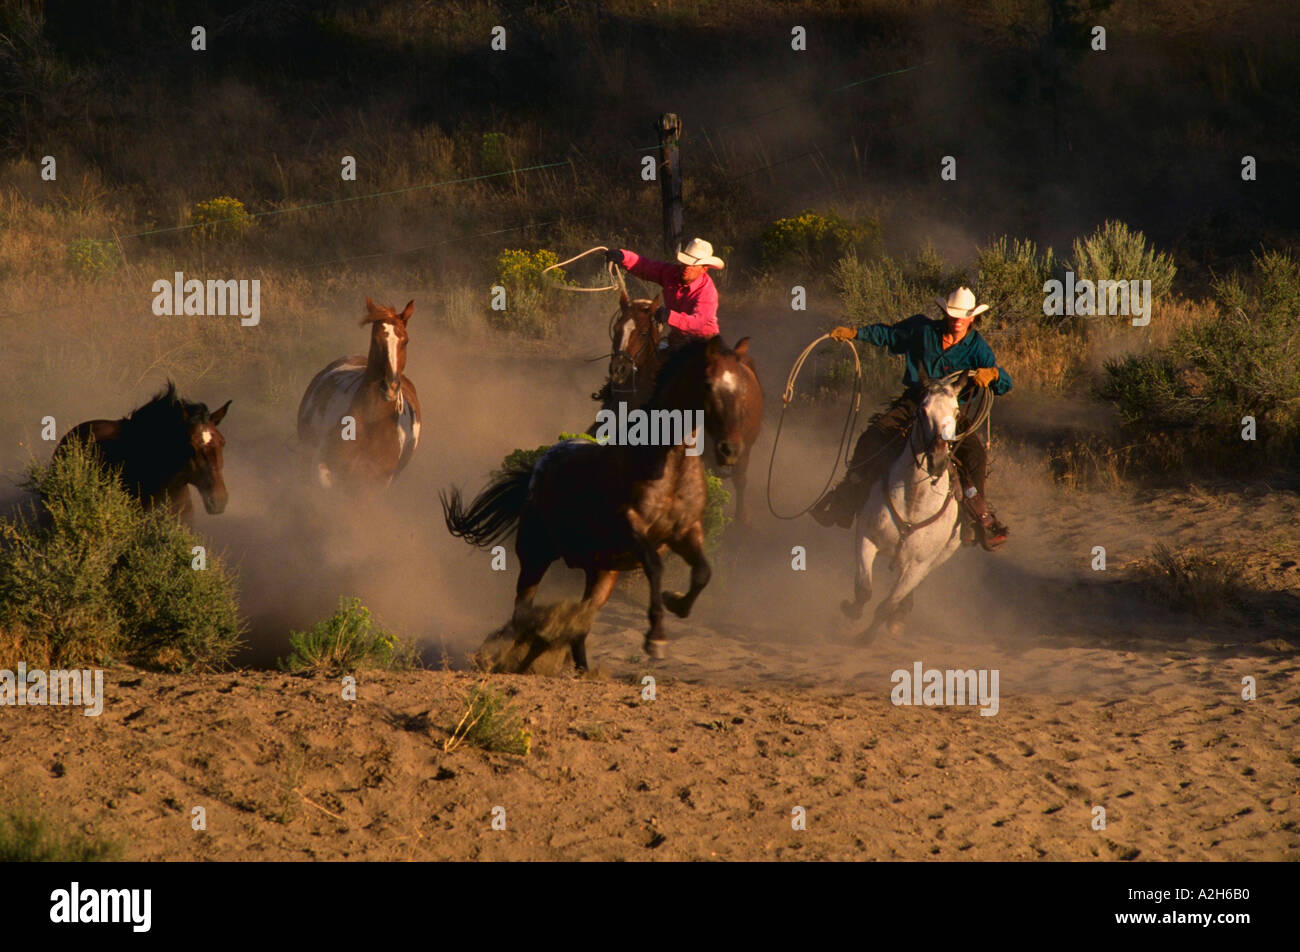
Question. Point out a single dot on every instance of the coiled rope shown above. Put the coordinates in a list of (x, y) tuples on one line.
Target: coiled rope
[(850, 422)]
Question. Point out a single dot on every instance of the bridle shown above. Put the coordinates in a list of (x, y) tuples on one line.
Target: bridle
[(635, 360), (904, 527)]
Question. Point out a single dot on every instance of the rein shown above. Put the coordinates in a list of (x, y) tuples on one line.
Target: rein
[(850, 422), (904, 527)]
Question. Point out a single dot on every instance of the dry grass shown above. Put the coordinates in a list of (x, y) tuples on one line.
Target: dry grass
[(1191, 580)]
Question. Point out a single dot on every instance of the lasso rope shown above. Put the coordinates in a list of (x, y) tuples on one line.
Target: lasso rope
[(615, 274), (850, 422)]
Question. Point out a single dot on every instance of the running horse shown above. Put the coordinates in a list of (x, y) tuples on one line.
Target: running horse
[(634, 364), (161, 449), (912, 512), (611, 507), (360, 416)]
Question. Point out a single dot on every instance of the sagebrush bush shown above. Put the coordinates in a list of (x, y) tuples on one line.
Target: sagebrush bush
[(1114, 252), (813, 238), (1214, 373), (1010, 281), (887, 289), (95, 579), (349, 640), (494, 157)]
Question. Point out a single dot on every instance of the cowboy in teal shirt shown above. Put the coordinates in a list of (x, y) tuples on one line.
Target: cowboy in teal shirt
[(939, 348)]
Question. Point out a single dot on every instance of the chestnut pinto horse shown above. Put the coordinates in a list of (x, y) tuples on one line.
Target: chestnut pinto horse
[(161, 449), (372, 390), (607, 508), (635, 361)]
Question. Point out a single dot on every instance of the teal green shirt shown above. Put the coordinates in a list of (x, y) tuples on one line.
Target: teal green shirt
[(919, 340)]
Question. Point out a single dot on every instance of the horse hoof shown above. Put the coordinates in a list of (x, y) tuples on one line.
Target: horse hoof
[(867, 637), (851, 609), (896, 628), (656, 649), (675, 603)]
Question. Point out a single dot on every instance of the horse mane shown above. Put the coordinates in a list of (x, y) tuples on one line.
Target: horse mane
[(679, 359)]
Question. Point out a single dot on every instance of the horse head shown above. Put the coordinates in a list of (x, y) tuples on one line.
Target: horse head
[(387, 345), (204, 468), (730, 399), (634, 338), (936, 423)]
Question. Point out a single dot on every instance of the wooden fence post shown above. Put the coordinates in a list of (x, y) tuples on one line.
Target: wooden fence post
[(670, 181)]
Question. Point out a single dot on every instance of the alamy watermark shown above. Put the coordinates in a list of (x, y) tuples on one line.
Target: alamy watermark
[(211, 298), (39, 687), (1103, 298), (651, 428), (935, 688)]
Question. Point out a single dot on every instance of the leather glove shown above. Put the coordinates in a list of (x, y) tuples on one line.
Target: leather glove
[(614, 255), (985, 375), (844, 333)]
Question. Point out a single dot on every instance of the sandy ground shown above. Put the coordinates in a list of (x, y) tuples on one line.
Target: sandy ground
[(1103, 702)]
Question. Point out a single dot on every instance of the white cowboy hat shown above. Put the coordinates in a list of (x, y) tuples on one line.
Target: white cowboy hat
[(961, 303), (699, 251)]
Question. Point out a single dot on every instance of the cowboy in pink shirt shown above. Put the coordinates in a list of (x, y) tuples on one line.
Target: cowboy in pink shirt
[(690, 296)]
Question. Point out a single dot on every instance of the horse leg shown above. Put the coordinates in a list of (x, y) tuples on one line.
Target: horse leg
[(534, 560), (653, 566), (862, 580), (691, 548), (913, 571), (600, 582), (739, 474)]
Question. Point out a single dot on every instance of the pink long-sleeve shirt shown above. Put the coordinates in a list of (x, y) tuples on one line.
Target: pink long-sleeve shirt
[(692, 308)]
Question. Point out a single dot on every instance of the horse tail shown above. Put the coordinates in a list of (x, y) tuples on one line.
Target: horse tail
[(493, 515)]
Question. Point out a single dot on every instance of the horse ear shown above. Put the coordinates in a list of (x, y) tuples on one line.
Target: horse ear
[(623, 300), (923, 376), (370, 306), (658, 301), (216, 416), (742, 347), (406, 311)]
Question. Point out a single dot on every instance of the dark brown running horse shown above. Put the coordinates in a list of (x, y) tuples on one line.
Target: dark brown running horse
[(360, 416), (607, 508), (161, 449), (634, 364)]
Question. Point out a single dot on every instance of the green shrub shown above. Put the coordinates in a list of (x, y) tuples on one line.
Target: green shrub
[(1115, 253), (92, 258), (813, 238), (100, 580), (1011, 276), (222, 219), (493, 154), (531, 304), (348, 640), (28, 837)]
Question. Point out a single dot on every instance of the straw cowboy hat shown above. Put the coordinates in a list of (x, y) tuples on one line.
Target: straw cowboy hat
[(961, 303), (699, 251)]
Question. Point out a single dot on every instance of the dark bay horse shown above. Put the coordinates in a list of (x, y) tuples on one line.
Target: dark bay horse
[(360, 416), (163, 448), (607, 508), (634, 364)]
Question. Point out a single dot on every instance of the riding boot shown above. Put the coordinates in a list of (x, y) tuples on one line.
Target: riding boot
[(839, 506), (989, 532)]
